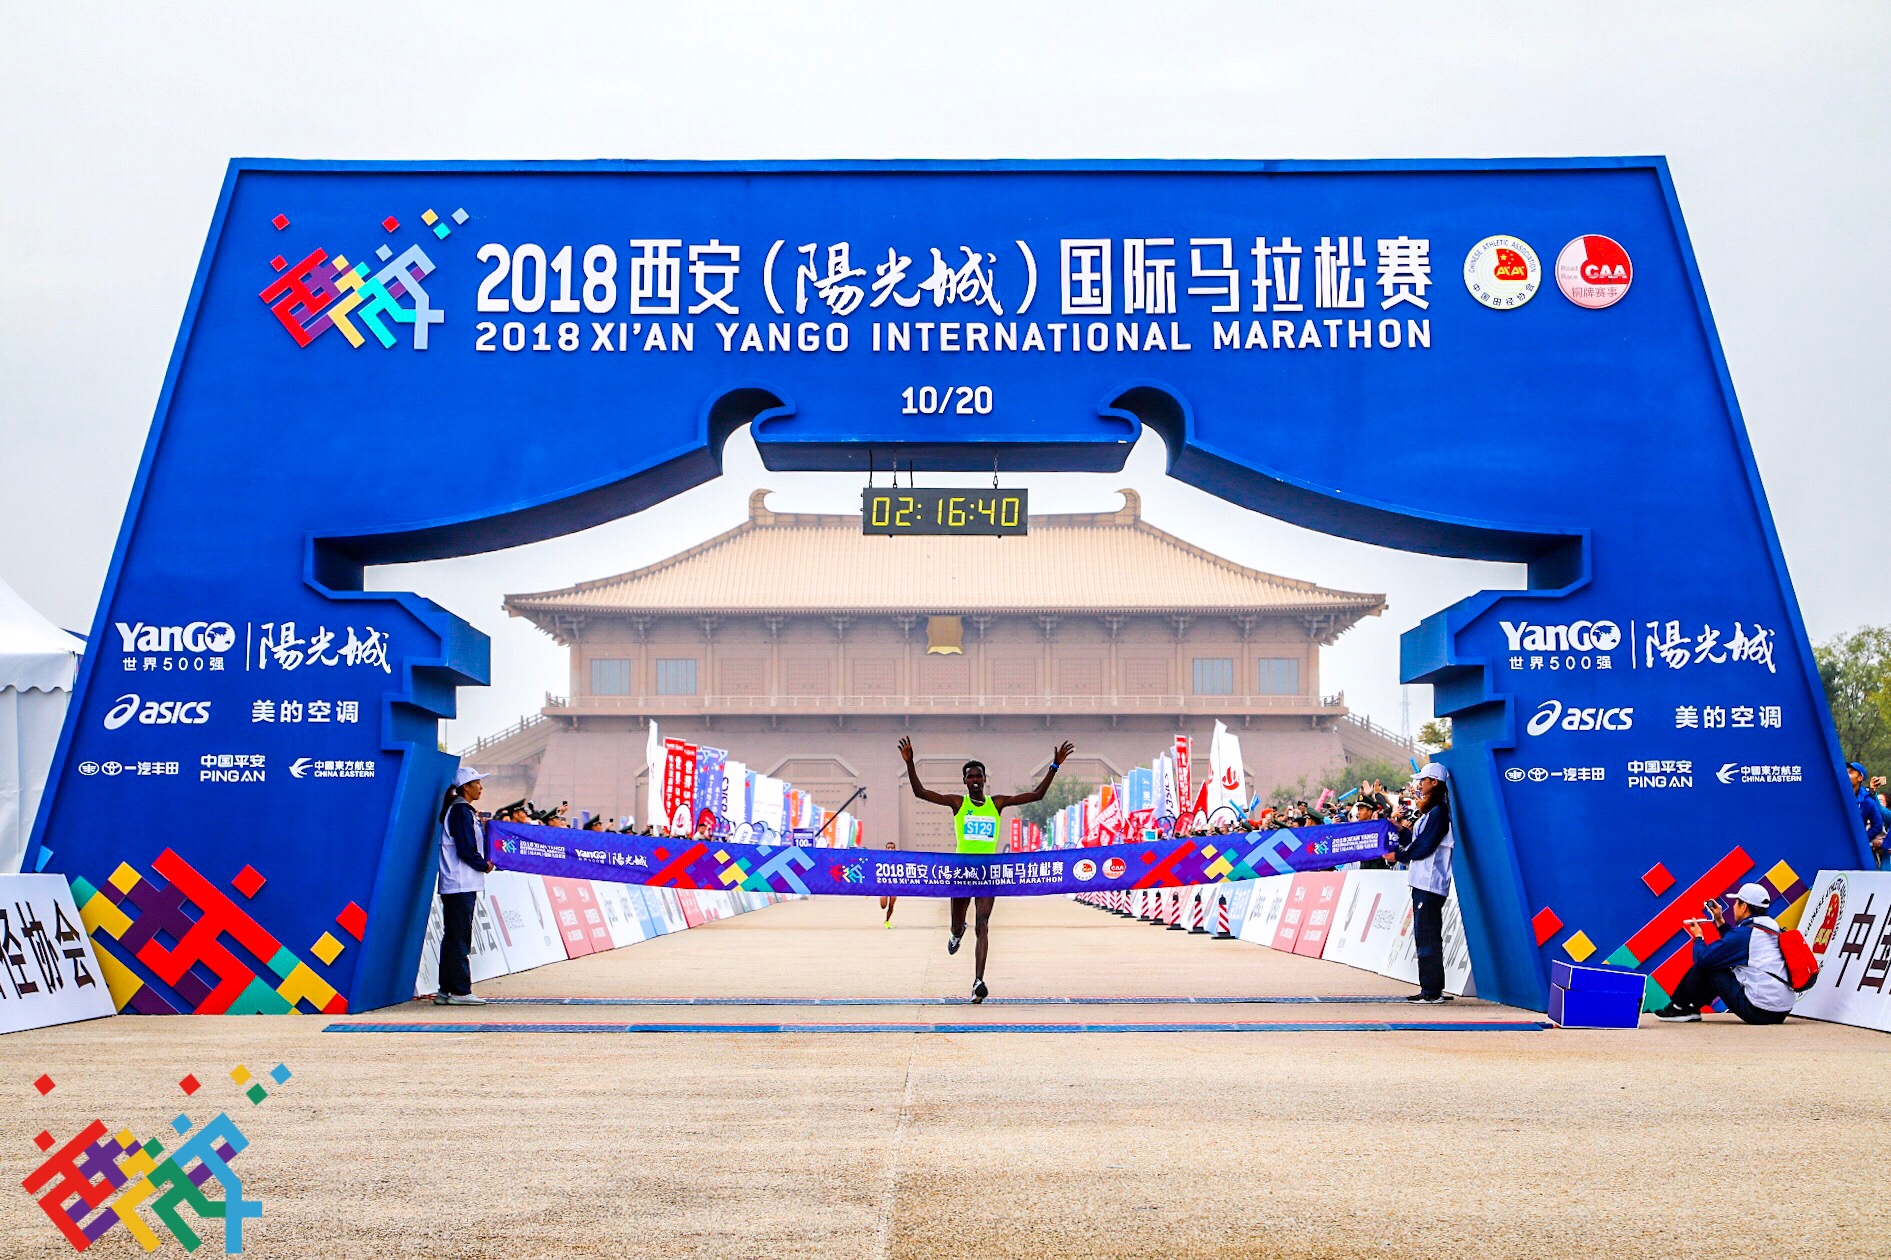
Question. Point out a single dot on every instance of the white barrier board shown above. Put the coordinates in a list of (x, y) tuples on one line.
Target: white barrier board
[(50, 974), (1848, 925)]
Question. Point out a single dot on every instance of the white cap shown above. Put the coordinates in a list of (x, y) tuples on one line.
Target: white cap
[(1754, 895), (1433, 770), (465, 775)]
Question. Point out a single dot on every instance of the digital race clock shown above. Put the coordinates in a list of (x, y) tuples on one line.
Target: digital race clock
[(943, 511)]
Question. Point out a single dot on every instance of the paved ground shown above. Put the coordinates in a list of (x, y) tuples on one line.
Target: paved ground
[(1710, 1139)]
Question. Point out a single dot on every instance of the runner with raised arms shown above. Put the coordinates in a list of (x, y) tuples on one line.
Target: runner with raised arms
[(975, 826)]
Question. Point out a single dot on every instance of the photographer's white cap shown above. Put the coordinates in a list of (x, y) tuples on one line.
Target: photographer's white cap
[(1754, 895), (465, 775), (1432, 770)]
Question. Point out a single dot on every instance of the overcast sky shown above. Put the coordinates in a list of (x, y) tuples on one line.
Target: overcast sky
[(119, 121)]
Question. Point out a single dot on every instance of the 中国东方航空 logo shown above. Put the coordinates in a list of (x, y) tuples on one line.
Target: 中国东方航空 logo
[(97, 1180), (319, 292)]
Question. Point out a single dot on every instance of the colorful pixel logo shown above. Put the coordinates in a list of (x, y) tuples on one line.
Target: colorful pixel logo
[(319, 292), (76, 1184)]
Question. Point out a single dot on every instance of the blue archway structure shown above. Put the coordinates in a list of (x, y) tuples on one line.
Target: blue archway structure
[(387, 362)]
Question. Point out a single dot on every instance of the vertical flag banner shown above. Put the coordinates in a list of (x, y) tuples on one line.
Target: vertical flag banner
[(679, 785), (653, 810)]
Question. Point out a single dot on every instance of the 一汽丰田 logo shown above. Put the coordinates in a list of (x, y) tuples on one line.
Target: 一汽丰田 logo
[(156, 712), (318, 292), (1552, 713)]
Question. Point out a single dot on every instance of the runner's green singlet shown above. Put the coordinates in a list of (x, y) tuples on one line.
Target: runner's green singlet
[(977, 826)]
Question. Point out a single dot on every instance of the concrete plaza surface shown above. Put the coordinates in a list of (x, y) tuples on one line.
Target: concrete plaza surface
[(1707, 1139)]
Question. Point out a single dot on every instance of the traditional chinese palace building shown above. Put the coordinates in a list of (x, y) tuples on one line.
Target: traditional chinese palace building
[(808, 649)]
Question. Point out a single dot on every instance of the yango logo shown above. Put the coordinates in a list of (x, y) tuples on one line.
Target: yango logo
[(156, 712), (1552, 713), (1577, 636), (198, 636)]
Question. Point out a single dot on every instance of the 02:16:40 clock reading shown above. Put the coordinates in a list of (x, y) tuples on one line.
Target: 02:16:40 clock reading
[(943, 511), (957, 400)]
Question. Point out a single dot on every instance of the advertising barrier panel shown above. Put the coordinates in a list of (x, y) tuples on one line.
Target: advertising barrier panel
[(1847, 923), (1265, 910), (52, 975), (1366, 927)]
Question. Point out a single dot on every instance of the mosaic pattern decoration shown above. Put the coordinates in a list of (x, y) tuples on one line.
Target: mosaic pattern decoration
[(320, 292), (1668, 923), (97, 1180), (180, 945)]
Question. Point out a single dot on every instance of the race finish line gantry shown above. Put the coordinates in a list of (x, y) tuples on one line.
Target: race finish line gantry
[(391, 362)]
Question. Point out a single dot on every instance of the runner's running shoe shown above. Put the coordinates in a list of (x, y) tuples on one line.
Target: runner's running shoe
[(952, 944), (979, 992)]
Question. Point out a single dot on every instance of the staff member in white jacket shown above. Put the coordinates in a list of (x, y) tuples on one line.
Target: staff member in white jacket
[(1426, 849), (463, 867)]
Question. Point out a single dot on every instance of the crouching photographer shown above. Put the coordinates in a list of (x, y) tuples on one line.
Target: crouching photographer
[(1745, 968)]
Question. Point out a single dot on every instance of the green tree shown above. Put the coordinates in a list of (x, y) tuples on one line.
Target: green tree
[(1063, 794), (1856, 671), (1285, 794), (1391, 772), (1435, 734)]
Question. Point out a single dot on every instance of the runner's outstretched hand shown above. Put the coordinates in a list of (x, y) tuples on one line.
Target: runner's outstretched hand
[(1062, 752), (906, 749)]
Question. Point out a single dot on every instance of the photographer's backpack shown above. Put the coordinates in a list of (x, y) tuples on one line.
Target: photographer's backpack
[(1802, 968)]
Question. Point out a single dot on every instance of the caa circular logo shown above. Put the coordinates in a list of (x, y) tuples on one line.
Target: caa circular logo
[(1594, 272), (1113, 868), (1502, 272), (1085, 870)]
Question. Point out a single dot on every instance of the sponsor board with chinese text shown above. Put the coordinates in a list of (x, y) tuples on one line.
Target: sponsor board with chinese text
[(1847, 922)]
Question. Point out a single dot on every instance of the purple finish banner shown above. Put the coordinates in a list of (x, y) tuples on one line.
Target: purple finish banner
[(719, 866)]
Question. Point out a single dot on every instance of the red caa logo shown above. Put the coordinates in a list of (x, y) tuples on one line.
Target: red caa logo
[(1113, 868), (1085, 870), (1594, 272)]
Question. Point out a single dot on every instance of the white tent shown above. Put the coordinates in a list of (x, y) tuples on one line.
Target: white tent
[(38, 662)]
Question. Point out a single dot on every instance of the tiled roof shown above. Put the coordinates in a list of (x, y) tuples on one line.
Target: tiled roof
[(796, 563)]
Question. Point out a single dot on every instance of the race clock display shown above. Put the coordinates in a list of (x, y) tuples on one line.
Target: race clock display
[(943, 511)]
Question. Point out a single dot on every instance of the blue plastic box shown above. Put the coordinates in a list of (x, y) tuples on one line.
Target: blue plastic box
[(1582, 1008), (1597, 979)]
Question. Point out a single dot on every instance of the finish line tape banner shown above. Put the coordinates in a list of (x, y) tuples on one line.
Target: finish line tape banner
[(662, 862)]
